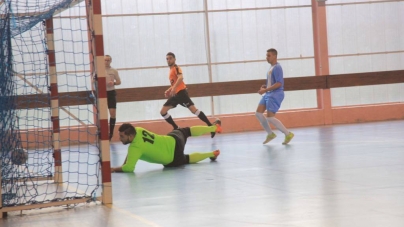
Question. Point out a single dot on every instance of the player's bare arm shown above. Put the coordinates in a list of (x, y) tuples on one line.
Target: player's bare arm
[(264, 89)]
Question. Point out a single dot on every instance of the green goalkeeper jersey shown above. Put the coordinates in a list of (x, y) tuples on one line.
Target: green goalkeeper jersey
[(149, 147)]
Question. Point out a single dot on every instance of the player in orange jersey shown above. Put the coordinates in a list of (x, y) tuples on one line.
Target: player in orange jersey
[(178, 94)]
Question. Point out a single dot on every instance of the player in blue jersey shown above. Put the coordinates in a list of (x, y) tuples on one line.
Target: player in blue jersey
[(272, 99)]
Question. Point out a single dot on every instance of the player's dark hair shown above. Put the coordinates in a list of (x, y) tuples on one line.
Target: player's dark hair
[(272, 50), (108, 56), (171, 54), (128, 129)]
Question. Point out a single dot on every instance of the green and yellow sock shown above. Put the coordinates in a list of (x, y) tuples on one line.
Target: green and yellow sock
[(200, 130), (197, 157)]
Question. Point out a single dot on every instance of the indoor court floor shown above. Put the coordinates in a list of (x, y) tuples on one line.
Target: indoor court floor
[(328, 176)]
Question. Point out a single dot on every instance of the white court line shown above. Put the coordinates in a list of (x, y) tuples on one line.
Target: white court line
[(123, 211)]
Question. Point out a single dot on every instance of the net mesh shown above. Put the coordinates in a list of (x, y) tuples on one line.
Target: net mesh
[(25, 103)]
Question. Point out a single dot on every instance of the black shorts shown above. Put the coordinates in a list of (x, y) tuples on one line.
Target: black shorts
[(180, 135), (111, 99), (181, 98)]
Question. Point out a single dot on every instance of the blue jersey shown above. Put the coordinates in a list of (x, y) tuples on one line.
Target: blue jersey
[(274, 75)]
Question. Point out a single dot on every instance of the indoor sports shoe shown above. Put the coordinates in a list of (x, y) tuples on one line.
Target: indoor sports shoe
[(216, 153), (288, 138), (218, 124), (269, 138)]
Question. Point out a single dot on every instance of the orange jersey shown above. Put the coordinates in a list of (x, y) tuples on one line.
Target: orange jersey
[(173, 77)]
